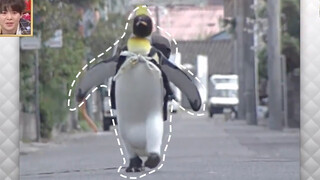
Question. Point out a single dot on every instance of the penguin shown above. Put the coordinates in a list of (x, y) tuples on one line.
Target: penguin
[(139, 99), (139, 91)]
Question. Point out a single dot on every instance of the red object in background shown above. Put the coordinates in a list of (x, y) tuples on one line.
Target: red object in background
[(28, 5), (27, 13), (26, 16)]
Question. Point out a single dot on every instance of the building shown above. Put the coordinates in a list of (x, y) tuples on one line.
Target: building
[(219, 53), (191, 22)]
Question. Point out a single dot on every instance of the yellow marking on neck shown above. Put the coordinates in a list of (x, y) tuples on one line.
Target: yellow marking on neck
[(139, 45)]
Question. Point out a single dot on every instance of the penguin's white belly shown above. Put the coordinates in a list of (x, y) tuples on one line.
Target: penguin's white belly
[(139, 101)]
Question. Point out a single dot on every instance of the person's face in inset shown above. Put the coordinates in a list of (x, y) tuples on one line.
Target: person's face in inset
[(9, 21)]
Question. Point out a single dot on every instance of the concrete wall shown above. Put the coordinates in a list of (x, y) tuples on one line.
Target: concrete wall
[(27, 127), (293, 82)]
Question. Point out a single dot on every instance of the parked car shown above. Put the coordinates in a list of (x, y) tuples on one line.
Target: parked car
[(106, 109), (223, 94)]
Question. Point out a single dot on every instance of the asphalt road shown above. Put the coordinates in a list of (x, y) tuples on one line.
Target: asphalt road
[(199, 148)]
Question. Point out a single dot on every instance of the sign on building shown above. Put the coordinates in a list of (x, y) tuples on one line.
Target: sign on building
[(30, 43)]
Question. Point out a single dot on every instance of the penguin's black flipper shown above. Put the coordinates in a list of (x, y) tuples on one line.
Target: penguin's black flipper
[(183, 82), (96, 76)]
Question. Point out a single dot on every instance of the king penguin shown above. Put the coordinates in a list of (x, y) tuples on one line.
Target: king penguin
[(139, 98), (139, 92)]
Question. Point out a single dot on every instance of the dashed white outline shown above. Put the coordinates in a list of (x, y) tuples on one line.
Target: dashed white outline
[(81, 103), (84, 67), (69, 94), (164, 157), (92, 60), (100, 55), (143, 175), (88, 96), (166, 147), (72, 84), (136, 9), (96, 88), (113, 122), (154, 21), (168, 34), (175, 42), (123, 35), (116, 42), (192, 114), (123, 176), (190, 72), (109, 49), (79, 73)]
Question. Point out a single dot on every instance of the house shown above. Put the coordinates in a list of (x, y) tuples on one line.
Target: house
[(218, 48), (191, 22)]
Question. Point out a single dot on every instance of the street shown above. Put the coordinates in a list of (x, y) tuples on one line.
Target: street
[(200, 148)]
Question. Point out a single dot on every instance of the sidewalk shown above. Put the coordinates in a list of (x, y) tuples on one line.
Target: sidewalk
[(31, 147)]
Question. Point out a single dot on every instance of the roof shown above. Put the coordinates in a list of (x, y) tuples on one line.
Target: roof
[(223, 35)]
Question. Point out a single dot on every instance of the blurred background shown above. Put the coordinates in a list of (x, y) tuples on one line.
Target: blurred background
[(246, 53), (254, 40)]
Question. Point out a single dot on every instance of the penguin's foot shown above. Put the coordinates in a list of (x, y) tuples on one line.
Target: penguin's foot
[(152, 161), (135, 165)]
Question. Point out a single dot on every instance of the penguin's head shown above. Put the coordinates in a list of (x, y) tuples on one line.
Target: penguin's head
[(142, 26)]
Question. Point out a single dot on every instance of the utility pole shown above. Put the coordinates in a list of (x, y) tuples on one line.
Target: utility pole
[(239, 15), (157, 18), (274, 66), (249, 64), (246, 63), (37, 94)]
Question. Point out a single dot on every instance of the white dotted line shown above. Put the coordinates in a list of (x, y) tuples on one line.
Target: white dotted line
[(109, 49), (166, 146), (100, 55), (175, 42), (113, 122), (136, 9), (115, 43), (84, 67)]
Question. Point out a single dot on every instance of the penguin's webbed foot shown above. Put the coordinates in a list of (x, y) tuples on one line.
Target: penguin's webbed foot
[(135, 165), (152, 161)]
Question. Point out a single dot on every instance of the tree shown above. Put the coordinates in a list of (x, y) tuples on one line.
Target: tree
[(59, 66), (290, 34)]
